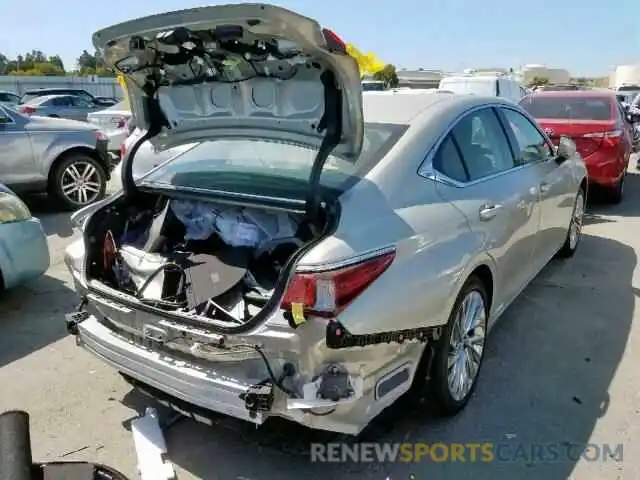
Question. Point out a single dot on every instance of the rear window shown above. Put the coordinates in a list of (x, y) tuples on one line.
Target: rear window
[(569, 108), (269, 168)]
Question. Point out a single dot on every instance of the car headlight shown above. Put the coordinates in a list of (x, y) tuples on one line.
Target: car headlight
[(12, 209)]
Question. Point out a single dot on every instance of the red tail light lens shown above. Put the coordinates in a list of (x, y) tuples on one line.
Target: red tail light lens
[(27, 110), (589, 143), (334, 42), (326, 294), (122, 150)]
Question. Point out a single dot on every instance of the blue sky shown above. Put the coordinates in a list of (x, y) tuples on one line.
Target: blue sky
[(588, 37)]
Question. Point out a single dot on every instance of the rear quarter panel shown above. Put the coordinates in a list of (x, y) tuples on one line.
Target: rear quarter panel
[(435, 248)]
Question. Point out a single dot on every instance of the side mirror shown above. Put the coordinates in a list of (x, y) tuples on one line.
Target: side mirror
[(565, 150)]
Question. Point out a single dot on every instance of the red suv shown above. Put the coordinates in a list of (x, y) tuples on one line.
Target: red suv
[(596, 123)]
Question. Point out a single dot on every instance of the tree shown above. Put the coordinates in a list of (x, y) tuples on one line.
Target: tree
[(33, 63), (92, 64), (388, 75), (538, 82)]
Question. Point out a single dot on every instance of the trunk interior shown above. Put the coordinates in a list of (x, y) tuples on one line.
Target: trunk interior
[(215, 262)]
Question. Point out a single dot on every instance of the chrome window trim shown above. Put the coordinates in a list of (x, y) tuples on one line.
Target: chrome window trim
[(426, 169)]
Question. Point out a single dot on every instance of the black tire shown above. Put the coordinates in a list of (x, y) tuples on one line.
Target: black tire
[(61, 175), (570, 245), (439, 389), (616, 193)]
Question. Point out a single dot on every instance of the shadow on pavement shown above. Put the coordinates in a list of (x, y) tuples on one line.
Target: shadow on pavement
[(629, 207), (54, 220), (30, 317), (544, 385)]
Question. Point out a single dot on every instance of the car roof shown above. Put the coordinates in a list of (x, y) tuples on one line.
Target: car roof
[(400, 108), (55, 89), (44, 98), (575, 93)]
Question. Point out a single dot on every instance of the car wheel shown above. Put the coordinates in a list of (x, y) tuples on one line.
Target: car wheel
[(78, 181), (460, 350), (616, 193), (574, 233)]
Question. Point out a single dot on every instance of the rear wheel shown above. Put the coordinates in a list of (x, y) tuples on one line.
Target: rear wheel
[(616, 193), (460, 351), (78, 181), (574, 233)]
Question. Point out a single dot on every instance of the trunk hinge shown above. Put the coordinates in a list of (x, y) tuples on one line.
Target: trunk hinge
[(157, 121), (331, 123)]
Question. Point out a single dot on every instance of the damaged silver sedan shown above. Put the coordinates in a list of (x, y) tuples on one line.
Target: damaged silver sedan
[(313, 252)]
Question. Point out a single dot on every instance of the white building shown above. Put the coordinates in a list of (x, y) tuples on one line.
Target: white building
[(552, 75), (626, 75)]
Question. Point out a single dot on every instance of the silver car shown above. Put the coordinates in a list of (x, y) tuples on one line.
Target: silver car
[(316, 252), (114, 121), (72, 107), (65, 158)]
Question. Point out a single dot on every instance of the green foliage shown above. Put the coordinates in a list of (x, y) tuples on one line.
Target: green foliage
[(538, 82), (36, 63), (388, 75)]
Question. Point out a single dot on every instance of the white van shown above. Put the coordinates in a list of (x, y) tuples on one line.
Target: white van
[(503, 86)]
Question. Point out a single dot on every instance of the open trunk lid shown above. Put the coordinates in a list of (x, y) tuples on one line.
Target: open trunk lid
[(246, 70)]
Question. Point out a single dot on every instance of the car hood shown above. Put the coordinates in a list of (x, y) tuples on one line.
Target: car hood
[(56, 124), (246, 70)]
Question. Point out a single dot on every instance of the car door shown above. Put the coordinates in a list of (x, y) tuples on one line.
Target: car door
[(17, 164), (555, 193), (480, 177)]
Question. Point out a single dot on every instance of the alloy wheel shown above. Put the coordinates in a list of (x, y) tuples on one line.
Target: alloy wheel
[(81, 183), (575, 229), (466, 345)]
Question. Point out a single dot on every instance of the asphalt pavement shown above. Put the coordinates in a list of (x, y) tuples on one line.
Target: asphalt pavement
[(562, 368)]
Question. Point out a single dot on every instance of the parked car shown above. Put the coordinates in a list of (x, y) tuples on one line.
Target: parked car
[(29, 95), (60, 106), (559, 87), (9, 99), (503, 86), (24, 254), (317, 298), (114, 121), (597, 124), (65, 158)]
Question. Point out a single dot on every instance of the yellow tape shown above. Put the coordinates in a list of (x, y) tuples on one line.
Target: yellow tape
[(297, 311), (368, 63), (123, 85)]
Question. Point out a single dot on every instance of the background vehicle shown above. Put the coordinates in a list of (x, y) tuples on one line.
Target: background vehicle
[(65, 158), (24, 254), (77, 92), (60, 106), (9, 99), (559, 87), (496, 85), (597, 124), (373, 86), (113, 121), (337, 266), (107, 100)]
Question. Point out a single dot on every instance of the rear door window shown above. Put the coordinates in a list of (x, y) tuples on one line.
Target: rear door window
[(483, 144)]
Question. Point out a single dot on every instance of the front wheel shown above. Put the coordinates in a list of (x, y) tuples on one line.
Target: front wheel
[(460, 351), (616, 193), (574, 233), (78, 181)]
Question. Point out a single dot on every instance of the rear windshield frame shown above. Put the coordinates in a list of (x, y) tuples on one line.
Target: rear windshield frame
[(550, 107)]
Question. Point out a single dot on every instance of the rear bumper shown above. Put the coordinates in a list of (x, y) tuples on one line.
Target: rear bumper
[(199, 387), (24, 254), (605, 170)]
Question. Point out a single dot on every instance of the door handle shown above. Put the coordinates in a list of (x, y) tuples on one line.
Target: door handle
[(544, 187), (487, 212)]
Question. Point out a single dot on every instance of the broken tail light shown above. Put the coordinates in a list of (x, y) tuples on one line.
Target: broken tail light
[(327, 293), (28, 110)]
